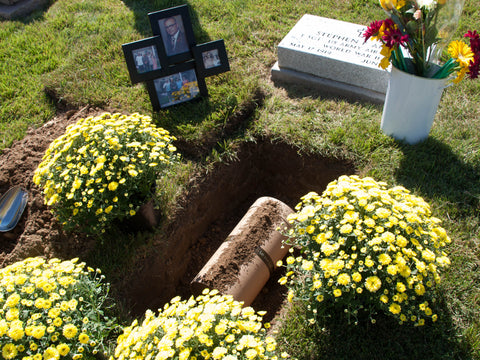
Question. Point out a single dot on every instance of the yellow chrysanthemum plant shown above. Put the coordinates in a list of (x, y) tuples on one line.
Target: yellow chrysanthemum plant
[(365, 248), (53, 310), (210, 326), (103, 168)]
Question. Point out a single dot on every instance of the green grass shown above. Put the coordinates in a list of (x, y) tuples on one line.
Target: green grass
[(73, 49)]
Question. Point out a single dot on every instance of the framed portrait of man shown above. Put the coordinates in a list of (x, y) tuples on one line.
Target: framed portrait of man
[(211, 58), (175, 28), (146, 59), (180, 84)]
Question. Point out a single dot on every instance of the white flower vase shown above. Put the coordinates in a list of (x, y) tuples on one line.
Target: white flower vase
[(410, 106)]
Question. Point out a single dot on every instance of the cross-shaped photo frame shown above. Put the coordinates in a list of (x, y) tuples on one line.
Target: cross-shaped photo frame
[(170, 63)]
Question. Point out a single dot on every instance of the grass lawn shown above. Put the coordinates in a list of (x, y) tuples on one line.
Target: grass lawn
[(70, 55)]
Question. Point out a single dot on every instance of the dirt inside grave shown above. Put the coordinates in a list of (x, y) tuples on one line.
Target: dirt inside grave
[(208, 211), (252, 232)]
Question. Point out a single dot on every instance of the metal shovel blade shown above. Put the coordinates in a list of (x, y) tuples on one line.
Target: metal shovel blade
[(12, 204)]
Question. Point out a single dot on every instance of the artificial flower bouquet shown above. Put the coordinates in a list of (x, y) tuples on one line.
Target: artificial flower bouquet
[(103, 168), (421, 28), (365, 248), (53, 309), (210, 326)]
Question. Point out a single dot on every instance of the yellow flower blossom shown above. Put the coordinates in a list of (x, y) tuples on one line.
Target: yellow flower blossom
[(69, 331), (365, 236), (343, 279), (373, 283), (9, 351), (391, 4), (70, 171), (395, 308), (384, 259), (357, 277), (461, 52), (112, 186)]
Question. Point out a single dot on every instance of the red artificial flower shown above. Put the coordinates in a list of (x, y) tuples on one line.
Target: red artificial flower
[(373, 29), (474, 40), (474, 66), (393, 37)]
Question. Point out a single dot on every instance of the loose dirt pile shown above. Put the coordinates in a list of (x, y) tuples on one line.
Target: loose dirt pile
[(37, 233)]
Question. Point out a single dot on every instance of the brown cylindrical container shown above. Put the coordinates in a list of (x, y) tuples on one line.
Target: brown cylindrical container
[(244, 262)]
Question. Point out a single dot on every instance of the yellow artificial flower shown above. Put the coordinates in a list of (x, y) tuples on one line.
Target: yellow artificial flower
[(391, 4), (386, 52), (460, 51)]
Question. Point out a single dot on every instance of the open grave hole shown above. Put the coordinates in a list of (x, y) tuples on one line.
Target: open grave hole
[(210, 211), (211, 207)]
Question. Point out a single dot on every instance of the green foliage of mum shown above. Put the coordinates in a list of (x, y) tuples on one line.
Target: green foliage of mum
[(103, 168), (52, 310), (366, 247), (210, 326)]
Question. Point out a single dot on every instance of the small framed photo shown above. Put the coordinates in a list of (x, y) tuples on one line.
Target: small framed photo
[(145, 59), (175, 28), (211, 58), (181, 84)]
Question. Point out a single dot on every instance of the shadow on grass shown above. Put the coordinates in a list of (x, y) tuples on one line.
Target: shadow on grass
[(26, 14), (141, 8), (203, 125), (298, 90), (335, 338), (434, 169)]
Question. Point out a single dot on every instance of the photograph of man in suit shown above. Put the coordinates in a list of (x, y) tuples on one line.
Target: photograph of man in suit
[(175, 41)]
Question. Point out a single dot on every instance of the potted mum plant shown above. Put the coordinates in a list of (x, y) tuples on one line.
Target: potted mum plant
[(210, 326), (103, 169), (413, 38), (365, 248), (54, 310)]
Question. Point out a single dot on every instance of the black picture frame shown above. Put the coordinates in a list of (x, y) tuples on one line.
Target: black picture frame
[(169, 20), (211, 58), (146, 59), (188, 86)]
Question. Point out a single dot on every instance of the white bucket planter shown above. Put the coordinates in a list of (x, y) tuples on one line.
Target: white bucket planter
[(410, 106)]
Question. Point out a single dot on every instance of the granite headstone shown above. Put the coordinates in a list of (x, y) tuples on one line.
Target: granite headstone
[(332, 56)]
